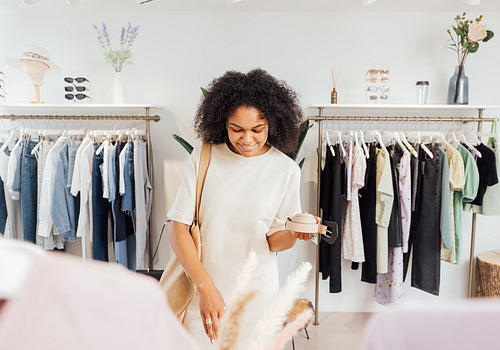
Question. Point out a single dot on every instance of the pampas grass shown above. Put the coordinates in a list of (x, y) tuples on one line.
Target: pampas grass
[(274, 315), (291, 329), (231, 323), (244, 277)]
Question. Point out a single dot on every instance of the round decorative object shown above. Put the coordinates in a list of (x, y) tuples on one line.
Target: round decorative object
[(303, 222)]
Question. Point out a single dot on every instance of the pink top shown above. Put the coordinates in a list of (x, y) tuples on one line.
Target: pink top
[(460, 325), (66, 304)]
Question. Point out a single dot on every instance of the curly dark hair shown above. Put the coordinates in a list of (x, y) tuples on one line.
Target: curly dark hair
[(272, 97)]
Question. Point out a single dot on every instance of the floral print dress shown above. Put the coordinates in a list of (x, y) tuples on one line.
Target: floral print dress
[(389, 285)]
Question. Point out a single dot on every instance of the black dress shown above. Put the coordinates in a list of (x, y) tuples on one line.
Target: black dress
[(331, 205)]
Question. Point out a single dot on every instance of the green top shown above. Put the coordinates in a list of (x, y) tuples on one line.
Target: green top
[(468, 193)]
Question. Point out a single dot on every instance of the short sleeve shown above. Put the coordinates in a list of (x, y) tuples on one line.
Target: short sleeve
[(457, 171), (359, 169), (471, 178), (290, 205), (182, 209)]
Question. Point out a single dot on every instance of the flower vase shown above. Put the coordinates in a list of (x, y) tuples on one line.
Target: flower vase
[(458, 89), (118, 90)]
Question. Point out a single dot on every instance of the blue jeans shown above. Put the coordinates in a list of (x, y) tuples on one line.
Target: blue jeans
[(124, 226), (29, 185), (125, 253), (100, 211)]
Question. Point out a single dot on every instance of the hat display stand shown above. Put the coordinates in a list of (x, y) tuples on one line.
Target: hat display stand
[(35, 62), (36, 70)]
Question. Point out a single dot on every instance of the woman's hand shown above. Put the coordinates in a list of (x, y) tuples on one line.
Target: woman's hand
[(307, 236), (212, 308)]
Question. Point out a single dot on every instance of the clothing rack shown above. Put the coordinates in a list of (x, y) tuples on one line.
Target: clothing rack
[(394, 113), (146, 117)]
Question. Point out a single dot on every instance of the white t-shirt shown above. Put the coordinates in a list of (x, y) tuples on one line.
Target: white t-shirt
[(243, 200)]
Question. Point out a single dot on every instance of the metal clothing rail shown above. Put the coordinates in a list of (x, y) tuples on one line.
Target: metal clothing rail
[(147, 118), (320, 118)]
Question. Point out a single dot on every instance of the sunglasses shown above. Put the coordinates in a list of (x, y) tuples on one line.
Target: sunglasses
[(76, 96), (77, 88), (78, 80), (382, 88)]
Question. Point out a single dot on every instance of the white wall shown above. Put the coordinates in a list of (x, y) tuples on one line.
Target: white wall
[(176, 53)]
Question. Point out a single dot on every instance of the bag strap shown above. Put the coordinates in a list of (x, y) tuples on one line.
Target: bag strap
[(206, 152)]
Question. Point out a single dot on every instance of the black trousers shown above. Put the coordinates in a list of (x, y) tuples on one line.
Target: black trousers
[(367, 205), (426, 263)]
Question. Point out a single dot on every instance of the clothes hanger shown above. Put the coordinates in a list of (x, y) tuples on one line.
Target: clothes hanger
[(16, 261), (395, 137), (454, 137), (339, 141), (469, 145), (418, 138), (44, 135), (9, 140), (363, 144), (407, 144), (379, 138), (329, 145)]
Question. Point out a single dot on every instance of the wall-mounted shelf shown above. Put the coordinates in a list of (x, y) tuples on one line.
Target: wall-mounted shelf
[(399, 110), (79, 111)]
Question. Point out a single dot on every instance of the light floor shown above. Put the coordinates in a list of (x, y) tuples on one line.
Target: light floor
[(336, 330)]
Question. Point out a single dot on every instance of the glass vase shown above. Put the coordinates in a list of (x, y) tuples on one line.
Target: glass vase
[(458, 89)]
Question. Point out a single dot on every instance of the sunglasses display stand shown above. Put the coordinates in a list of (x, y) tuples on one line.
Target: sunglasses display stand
[(36, 70), (377, 86), (77, 89)]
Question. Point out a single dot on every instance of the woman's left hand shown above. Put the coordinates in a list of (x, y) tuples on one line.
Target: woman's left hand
[(307, 236)]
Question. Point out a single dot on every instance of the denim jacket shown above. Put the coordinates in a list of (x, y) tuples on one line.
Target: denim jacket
[(63, 206)]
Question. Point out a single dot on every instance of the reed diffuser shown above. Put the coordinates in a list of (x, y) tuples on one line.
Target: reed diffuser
[(334, 93)]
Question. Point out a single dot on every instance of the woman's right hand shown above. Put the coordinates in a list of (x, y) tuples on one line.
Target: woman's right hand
[(212, 308)]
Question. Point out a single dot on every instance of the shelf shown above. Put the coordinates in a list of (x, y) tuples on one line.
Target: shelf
[(78, 106), (399, 110), (78, 111), (73, 108)]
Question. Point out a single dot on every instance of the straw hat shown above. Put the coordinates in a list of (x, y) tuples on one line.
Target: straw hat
[(35, 53)]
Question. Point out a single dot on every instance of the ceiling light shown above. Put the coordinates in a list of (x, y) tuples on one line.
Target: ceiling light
[(74, 2), (472, 2), (28, 2), (231, 2), (367, 2)]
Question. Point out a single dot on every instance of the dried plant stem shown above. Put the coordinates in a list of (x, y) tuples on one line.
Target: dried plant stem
[(231, 323), (291, 329)]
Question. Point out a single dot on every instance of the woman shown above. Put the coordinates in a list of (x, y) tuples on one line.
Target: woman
[(250, 189)]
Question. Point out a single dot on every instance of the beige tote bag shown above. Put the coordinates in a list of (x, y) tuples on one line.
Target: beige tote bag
[(174, 281)]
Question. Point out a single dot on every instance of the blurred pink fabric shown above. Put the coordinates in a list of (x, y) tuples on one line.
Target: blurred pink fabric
[(458, 326), (67, 304)]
